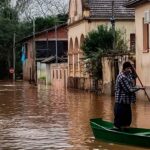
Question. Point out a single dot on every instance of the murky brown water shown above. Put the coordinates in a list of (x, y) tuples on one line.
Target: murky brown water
[(43, 118)]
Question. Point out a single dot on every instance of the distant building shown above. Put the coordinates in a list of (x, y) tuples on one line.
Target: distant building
[(51, 47), (142, 23), (85, 16)]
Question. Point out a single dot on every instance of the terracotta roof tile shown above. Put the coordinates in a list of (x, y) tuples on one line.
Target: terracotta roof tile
[(103, 9)]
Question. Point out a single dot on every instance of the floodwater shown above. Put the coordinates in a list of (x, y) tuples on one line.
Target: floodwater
[(46, 118)]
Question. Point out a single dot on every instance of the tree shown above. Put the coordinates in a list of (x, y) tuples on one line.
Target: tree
[(99, 43), (8, 25), (4, 2), (29, 9), (49, 21)]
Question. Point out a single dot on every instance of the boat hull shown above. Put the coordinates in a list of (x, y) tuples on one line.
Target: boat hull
[(133, 136)]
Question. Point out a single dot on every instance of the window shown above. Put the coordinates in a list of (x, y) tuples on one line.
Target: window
[(56, 74), (146, 44), (53, 74), (46, 49), (60, 75), (132, 42)]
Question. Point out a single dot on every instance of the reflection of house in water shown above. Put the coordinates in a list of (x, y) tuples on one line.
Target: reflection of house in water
[(51, 47), (85, 16)]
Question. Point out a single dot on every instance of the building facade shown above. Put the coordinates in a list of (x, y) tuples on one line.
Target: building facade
[(142, 22), (49, 46), (85, 16)]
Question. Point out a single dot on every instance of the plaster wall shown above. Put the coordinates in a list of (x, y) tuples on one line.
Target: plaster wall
[(142, 58)]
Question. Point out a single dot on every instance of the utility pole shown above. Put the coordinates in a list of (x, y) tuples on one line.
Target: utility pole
[(14, 57), (56, 43), (47, 54), (112, 62), (56, 37), (34, 55)]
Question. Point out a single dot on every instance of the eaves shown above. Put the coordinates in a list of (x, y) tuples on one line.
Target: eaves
[(134, 3), (90, 19)]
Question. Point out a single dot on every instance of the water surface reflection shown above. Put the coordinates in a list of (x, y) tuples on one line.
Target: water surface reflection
[(44, 118)]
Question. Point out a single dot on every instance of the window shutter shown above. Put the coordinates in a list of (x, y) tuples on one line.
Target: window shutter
[(132, 41), (145, 37)]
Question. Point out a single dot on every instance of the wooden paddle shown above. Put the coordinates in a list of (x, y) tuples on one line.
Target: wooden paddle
[(141, 84)]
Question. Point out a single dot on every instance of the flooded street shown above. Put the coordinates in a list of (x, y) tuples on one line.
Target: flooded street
[(44, 118)]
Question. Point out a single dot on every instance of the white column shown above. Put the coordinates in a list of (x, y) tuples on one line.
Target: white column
[(68, 65), (73, 65)]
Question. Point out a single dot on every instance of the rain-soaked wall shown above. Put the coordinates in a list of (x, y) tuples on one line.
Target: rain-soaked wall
[(58, 75), (111, 68), (142, 55)]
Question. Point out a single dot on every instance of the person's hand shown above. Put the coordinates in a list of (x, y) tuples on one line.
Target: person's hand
[(134, 102), (142, 88)]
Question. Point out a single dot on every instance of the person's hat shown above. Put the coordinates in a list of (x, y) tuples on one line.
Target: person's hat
[(127, 64)]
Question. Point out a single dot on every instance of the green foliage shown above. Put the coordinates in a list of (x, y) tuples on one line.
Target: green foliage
[(99, 43), (98, 40), (120, 42), (4, 3), (9, 13), (26, 27), (10, 24), (44, 23), (43, 78), (49, 21), (62, 17)]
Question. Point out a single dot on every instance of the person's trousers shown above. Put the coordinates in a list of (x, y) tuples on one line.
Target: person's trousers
[(122, 115)]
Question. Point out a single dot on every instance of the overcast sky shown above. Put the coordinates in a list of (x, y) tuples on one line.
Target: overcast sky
[(35, 10), (13, 2)]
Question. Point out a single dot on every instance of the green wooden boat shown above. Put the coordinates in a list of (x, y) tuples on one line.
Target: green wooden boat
[(132, 136)]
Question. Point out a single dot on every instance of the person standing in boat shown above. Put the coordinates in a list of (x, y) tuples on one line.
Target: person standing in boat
[(124, 95)]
